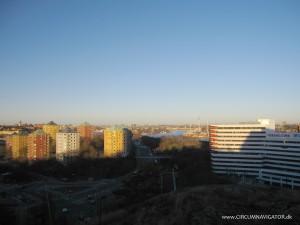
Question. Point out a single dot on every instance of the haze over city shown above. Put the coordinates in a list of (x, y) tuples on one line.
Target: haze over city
[(158, 62)]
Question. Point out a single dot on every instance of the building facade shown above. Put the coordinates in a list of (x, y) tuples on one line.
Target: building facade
[(52, 129), (256, 150), (8, 146), (19, 146), (86, 131), (117, 141), (67, 144), (38, 145)]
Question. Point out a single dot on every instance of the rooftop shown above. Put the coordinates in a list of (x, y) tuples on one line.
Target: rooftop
[(67, 130), (84, 124), (51, 123), (117, 127), (38, 132), (22, 133)]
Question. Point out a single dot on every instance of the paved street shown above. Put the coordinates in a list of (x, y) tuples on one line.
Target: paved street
[(78, 199)]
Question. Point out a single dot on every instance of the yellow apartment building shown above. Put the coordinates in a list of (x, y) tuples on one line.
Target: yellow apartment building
[(52, 129), (19, 146), (117, 141), (8, 146)]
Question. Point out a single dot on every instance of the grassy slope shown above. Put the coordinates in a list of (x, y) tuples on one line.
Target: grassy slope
[(208, 203)]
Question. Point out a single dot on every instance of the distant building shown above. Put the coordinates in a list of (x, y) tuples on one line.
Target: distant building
[(52, 129), (256, 150), (299, 128), (86, 131), (9, 131), (38, 145), (19, 124), (18, 144), (67, 144), (117, 141)]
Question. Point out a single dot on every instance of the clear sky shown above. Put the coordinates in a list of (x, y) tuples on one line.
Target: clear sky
[(149, 61)]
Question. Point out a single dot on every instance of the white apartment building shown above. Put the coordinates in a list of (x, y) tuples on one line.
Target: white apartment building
[(67, 144), (256, 150)]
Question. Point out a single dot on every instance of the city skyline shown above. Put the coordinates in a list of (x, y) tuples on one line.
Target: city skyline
[(149, 62)]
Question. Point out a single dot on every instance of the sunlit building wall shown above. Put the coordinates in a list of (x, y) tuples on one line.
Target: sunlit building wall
[(19, 146), (9, 132), (67, 144), (256, 150), (86, 131), (117, 141), (52, 129), (8, 146), (38, 145)]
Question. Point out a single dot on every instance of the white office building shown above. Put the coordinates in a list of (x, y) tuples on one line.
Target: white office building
[(256, 150), (67, 144)]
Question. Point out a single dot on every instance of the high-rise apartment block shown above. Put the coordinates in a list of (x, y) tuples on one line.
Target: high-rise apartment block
[(256, 150), (38, 145), (8, 146), (67, 144), (19, 146), (117, 141), (86, 131), (52, 129)]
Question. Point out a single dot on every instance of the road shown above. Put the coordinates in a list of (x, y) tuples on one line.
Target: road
[(143, 154), (81, 198)]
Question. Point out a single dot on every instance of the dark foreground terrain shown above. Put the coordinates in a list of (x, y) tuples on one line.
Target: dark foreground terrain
[(207, 204)]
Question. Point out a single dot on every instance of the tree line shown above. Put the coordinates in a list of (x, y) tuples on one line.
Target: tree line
[(190, 157), (190, 161), (77, 169)]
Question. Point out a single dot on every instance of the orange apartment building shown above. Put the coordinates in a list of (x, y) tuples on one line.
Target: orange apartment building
[(86, 131), (38, 145)]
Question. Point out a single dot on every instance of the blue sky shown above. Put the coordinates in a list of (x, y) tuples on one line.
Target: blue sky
[(157, 62)]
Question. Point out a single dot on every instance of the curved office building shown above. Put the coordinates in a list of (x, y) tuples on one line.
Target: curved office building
[(256, 150)]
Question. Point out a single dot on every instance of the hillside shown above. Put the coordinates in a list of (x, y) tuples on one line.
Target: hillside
[(207, 204)]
